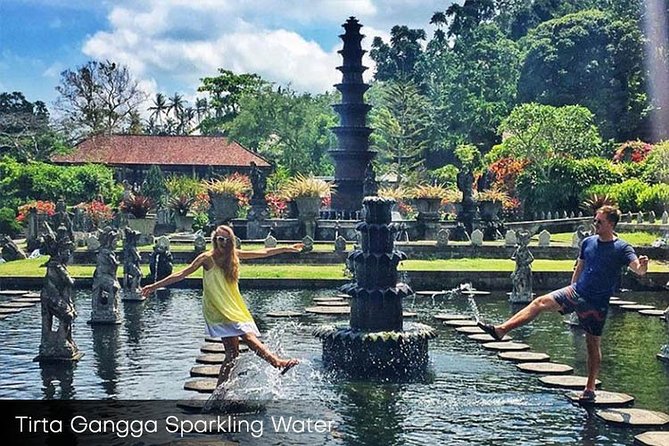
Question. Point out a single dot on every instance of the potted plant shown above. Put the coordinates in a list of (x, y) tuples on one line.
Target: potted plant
[(490, 202), (137, 207), (224, 196), (180, 206), (307, 192), (427, 198)]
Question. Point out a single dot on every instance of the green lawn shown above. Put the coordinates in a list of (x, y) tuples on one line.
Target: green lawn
[(31, 268)]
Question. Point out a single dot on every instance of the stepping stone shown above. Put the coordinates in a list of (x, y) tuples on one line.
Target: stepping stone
[(219, 407), (210, 358), (214, 347), (614, 298), (409, 314), (343, 296), (328, 310), (10, 310), (567, 382), (448, 317), (476, 293), (633, 417), (333, 303), (430, 293), (620, 303), (3, 316), (13, 293), (202, 385), (27, 299), (17, 304), (549, 368), (637, 307), (653, 438), (470, 330), (205, 371), (285, 313), (485, 337), (31, 294), (603, 399), (329, 299), (460, 323), (505, 346), (656, 312), (524, 356)]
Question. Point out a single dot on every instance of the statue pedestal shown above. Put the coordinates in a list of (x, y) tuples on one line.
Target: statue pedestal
[(132, 296), (55, 348)]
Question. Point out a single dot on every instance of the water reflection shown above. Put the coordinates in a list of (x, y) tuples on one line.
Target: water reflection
[(371, 413), (57, 380), (106, 344), (132, 320)]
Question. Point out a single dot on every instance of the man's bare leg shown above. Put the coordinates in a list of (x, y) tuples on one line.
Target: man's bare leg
[(593, 344), (528, 314)]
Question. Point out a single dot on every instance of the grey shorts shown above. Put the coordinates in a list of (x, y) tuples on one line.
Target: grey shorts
[(591, 318)]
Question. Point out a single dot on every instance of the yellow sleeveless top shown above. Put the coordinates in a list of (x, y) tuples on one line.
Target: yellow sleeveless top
[(222, 301)]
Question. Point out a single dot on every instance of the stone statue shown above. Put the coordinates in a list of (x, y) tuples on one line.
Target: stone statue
[(258, 181), (62, 218), (160, 262), (199, 244), (105, 301), (442, 237), (132, 274), (308, 244), (56, 299), (10, 250), (340, 244), (465, 183), (522, 275)]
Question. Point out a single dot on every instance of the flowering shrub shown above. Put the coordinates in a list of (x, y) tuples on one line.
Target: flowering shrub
[(98, 212), (506, 170), (278, 206), (201, 203), (43, 207), (137, 205), (634, 151)]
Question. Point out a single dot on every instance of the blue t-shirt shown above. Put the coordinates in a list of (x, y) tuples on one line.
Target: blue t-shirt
[(603, 262)]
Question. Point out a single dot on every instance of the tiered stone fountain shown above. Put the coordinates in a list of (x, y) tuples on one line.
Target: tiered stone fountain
[(376, 344)]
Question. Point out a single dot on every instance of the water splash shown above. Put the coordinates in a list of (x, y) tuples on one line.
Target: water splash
[(474, 308)]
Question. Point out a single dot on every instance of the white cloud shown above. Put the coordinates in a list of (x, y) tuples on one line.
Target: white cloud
[(54, 70), (174, 43)]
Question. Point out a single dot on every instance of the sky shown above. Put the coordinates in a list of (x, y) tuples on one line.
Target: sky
[(169, 45)]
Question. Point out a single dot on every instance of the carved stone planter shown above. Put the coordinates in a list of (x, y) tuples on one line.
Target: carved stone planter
[(307, 213), (489, 210), (184, 222), (145, 226), (225, 207)]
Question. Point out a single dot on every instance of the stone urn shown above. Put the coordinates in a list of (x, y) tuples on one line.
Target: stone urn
[(144, 225), (225, 207), (184, 222), (489, 210), (307, 213)]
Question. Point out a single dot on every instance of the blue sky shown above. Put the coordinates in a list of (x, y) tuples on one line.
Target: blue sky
[(170, 44)]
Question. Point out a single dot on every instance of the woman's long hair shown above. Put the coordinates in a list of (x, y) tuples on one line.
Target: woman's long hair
[(225, 257)]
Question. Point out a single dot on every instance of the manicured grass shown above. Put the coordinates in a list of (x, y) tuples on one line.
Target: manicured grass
[(31, 268), (633, 238)]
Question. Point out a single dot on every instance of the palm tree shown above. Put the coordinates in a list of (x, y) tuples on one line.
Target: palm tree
[(159, 108), (176, 105)]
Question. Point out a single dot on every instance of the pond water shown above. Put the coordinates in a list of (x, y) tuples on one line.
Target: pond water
[(469, 397)]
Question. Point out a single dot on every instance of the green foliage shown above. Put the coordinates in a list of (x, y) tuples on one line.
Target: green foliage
[(655, 198), (182, 185), (472, 88), (8, 224), (446, 175), (289, 129), (657, 163), (225, 93), (469, 157), (560, 183), (592, 59), (200, 221), (42, 181), (626, 194), (397, 61), (401, 123), (536, 132), (154, 186)]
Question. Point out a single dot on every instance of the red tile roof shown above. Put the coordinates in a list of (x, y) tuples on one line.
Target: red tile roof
[(161, 150)]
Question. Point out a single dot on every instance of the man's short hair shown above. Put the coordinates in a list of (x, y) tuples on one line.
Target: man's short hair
[(612, 213)]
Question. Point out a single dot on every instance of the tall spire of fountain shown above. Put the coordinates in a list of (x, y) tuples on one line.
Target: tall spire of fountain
[(352, 156)]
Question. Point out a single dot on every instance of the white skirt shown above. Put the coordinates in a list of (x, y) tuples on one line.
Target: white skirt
[(230, 329)]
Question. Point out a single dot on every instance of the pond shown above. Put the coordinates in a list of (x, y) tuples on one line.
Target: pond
[(469, 397)]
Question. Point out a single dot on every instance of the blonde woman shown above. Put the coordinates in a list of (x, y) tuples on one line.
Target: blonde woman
[(225, 313)]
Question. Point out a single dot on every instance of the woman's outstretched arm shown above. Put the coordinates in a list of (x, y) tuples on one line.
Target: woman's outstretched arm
[(268, 252), (176, 276)]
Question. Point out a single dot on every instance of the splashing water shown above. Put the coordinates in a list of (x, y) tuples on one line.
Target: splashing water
[(474, 308)]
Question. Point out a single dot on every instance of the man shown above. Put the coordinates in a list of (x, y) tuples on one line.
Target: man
[(595, 279)]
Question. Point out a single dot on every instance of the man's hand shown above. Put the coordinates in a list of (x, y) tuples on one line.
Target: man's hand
[(640, 266)]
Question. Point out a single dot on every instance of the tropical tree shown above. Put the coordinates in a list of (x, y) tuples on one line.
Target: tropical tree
[(97, 97), (158, 109), (397, 60)]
